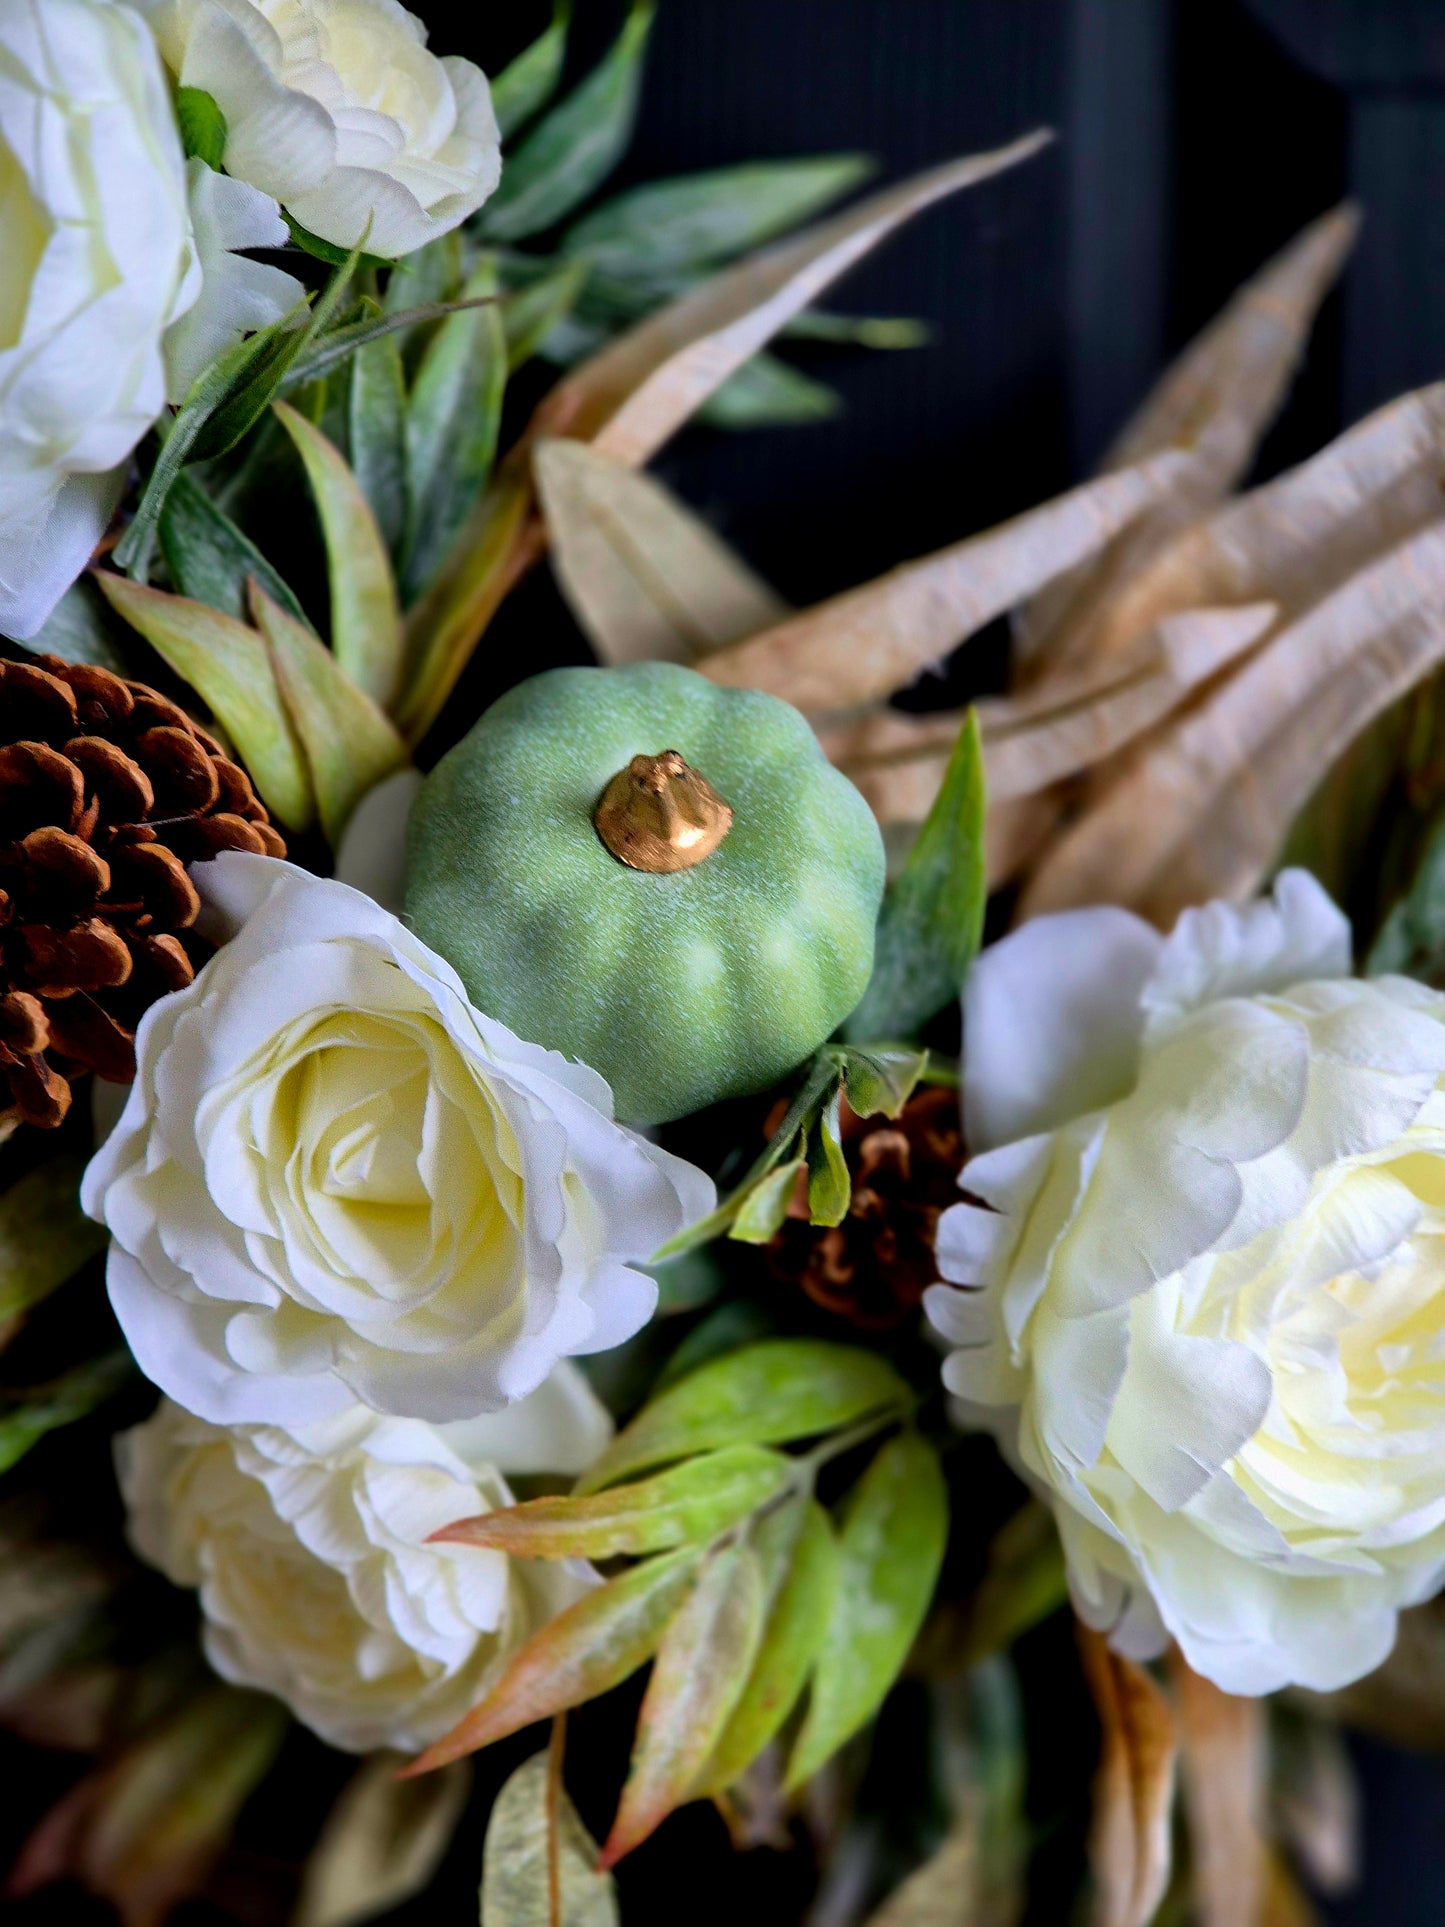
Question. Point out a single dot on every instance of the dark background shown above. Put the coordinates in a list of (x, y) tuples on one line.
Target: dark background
[(1196, 137)]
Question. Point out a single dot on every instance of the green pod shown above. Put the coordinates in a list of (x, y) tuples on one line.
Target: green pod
[(682, 986)]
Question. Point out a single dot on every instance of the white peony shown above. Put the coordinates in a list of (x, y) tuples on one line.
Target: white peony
[(309, 1547), (1205, 1299), (334, 1179), (337, 109), (102, 256)]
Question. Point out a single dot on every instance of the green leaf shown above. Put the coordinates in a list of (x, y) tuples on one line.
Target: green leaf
[(78, 629), (932, 920), (524, 88), (203, 126), (329, 251), (779, 1390), (699, 220), (348, 742), (581, 1654), (229, 667), (687, 1283), (47, 1408), (521, 1850), (859, 330), (452, 423), (382, 1842), (830, 1189), (45, 1237), (768, 393), (880, 1079), (735, 1323), (366, 633), (1024, 1584), (702, 1665), (763, 1210), (376, 423), (893, 1539), (210, 559), (338, 345), (691, 1502), (1411, 942), (799, 1558), (530, 314), (569, 154)]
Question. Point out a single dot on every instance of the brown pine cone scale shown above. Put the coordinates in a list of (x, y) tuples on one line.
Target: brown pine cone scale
[(107, 791)]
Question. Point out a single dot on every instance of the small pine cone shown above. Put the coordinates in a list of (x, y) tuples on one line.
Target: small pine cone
[(874, 1267), (107, 792)]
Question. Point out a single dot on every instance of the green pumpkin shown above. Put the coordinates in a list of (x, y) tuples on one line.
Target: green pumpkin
[(683, 986)]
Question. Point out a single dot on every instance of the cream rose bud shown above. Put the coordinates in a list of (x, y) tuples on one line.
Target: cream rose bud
[(1204, 1286), (105, 243), (335, 1180), (337, 108), (309, 1545)]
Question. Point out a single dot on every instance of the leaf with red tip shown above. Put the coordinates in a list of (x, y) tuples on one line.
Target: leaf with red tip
[(701, 1668), (584, 1652), (693, 1501)]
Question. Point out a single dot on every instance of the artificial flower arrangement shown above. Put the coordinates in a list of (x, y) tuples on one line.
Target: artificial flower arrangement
[(551, 1233)]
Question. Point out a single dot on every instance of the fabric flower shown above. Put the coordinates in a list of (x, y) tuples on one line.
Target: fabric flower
[(309, 1546), (1206, 1279), (334, 1179), (101, 258), (337, 109)]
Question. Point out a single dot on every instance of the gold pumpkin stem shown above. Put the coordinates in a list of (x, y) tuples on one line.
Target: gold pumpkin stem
[(658, 815)]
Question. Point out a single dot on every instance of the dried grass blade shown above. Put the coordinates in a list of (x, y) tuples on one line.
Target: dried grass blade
[(1222, 1741), (875, 640), (1129, 1848)]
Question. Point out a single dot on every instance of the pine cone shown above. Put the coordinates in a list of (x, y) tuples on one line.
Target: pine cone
[(874, 1267), (107, 792)]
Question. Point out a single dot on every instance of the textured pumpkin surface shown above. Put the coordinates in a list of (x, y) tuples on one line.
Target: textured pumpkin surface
[(679, 989)]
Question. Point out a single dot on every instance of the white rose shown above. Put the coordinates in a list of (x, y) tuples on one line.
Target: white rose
[(334, 1179), (309, 1547), (337, 109), (100, 260), (1208, 1303)]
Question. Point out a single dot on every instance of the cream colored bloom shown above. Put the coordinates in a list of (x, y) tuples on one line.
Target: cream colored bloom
[(337, 108), (1205, 1287), (309, 1548), (336, 1180), (100, 256)]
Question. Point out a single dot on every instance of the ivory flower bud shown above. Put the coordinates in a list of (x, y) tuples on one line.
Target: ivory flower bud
[(102, 255), (309, 1547), (338, 110), (336, 1180), (1204, 1290)]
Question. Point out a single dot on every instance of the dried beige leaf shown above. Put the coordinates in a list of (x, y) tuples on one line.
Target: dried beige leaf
[(1299, 536), (1205, 810), (382, 1842), (1216, 400), (1222, 1744), (874, 640), (639, 390), (647, 580), (1129, 1847), (944, 1892)]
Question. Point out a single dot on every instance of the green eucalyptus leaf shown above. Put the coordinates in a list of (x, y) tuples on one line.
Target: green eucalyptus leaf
[(522, 89), (767, 1394), (892, 1544), (932, 920), (47, 1408), (798, 1555), (764, 1207), (702, 1665), (210, 559), (376, 432), (452, 422), (531, 313), (691, 1502), (203, 126), (45, 1237), (768, 393), (830, 1189), (879, 1079), (568, 155), (581, 1654), (699, 220), (521, 1851)]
